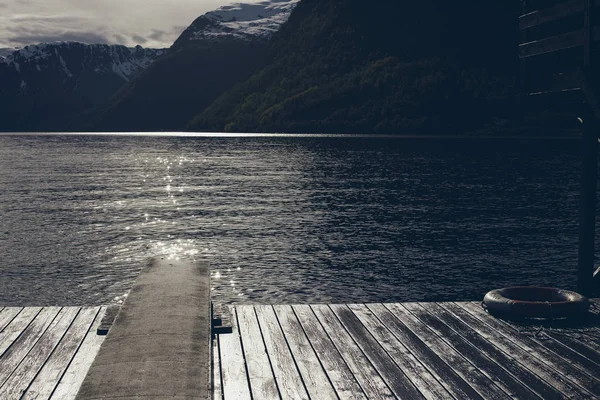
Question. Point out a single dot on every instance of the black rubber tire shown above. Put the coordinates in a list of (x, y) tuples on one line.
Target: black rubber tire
[(535, 302)]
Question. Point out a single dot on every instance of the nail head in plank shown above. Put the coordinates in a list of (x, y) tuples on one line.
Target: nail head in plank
[(73, 377), (262, 381), (393, 376), (366, 374), (284, 367), (342, 379), (233, 365), (49, 376), (410, 365), (315, 379), (443, 372)]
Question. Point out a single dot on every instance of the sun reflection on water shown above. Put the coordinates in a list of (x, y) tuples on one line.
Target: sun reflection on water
[(281, 220)]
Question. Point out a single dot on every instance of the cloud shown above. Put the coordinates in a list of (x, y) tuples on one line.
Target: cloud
[(157, 34), (153, 23), (84, 37), (118, 38), (50, 19), (139, 39)]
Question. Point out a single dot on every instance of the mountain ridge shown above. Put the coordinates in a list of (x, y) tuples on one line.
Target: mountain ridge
[(245, 21), (43, 86), (345, 66), (217, 51)]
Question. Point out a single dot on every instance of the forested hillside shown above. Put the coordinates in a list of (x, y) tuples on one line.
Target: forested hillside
[(218, 50), (429, 66), (187, 79)]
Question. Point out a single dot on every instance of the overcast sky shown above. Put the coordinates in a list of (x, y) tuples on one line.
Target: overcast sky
[(150, 23)]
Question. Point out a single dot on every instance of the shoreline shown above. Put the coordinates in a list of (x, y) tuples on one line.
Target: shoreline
[(290, 135)]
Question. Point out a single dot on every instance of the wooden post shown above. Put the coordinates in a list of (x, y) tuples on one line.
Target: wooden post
[(587, 214), (587, 227)]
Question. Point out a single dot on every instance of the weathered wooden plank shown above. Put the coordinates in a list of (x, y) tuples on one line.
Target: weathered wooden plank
[(560, 10), (342, 379), (233, 366), (49, 376), (586, 349), (7, 315), (419, 375), (160, 343), (562, 351), (504, 380), (549, 352), (529, 354), (28, 338), (482, 383), (558, 82), (73, 377), (589, 366), (555, 93), (216, 368), (284, 367), (516, 388), (508, 361), (587, 362), (20, 379), (12, 331), (551, 44), (315, 379), (443, 372), (262, 380), (366, 374), (394, 377)]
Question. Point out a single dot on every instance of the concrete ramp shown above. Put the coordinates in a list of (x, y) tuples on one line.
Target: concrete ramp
[(159, 345)]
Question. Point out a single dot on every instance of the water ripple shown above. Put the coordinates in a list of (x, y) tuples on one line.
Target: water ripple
[(280, 219)]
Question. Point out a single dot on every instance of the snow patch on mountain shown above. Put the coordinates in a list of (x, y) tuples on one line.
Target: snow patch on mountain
[(242, 21), (72, 58)]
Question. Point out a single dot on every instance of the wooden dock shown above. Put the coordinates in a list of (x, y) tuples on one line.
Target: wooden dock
[(159, 344), (350, 351), (404, 351), (45, 352)]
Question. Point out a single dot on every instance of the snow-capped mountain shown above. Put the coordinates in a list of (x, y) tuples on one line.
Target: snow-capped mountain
[(44, 86), (66, 86), (71, 59), (218, 50), (256, 21)]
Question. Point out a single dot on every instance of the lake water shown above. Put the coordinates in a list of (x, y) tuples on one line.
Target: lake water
[(286, 219)]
